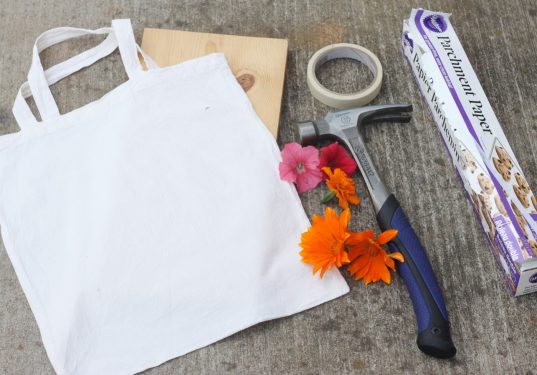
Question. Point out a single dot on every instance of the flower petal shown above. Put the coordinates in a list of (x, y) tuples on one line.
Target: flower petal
[(386, 276), (308, 180), (292, 153), (359, 237), (335, 156), (398, 256), (377, 265), (386, 236), (287, 172), (345, 258), (343, 203), (326, 267), (390, 263), (345, 218), (361, 263), (327, 170), (347, 165), (357, 250), (310, 156)]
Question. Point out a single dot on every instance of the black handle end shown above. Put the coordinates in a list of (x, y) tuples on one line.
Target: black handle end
[(436, 341)]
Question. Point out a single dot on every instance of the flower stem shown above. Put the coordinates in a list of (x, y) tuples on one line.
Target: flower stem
[(328, 197)]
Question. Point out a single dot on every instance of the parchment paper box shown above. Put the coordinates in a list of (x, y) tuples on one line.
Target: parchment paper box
[(502, 200)]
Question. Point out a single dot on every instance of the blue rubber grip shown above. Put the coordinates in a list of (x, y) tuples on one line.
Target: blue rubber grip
[(434, 336), (416, 252)]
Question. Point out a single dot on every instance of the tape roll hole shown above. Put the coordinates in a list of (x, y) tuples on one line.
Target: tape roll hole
[(344, 75), (338, 99)]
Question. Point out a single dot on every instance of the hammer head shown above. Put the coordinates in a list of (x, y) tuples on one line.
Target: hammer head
[(333, 125)]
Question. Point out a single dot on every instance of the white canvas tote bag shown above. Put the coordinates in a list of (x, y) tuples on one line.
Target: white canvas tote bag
[(151, 222)]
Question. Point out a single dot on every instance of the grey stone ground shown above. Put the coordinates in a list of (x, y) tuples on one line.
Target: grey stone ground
[(372, 329)]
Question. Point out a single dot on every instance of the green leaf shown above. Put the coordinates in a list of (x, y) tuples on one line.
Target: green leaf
[(328, 197)]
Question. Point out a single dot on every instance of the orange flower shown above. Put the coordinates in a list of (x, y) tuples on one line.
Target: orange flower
[(369, 259), (342, 186), (323, 245)]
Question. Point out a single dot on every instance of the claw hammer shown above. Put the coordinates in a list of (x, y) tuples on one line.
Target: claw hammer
[(434, 336)]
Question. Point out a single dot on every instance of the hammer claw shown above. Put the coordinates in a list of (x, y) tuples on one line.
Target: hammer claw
[(385, 113), (400, 117)]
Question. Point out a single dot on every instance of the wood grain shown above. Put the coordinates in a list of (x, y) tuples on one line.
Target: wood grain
[(258, 63)]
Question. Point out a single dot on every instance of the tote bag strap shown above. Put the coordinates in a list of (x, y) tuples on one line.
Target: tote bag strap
[(39, 81)]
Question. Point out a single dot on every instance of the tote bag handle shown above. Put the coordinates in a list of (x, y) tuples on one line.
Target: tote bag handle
[(119, 35)]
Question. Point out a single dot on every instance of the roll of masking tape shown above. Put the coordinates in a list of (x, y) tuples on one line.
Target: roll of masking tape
[(350, 51)]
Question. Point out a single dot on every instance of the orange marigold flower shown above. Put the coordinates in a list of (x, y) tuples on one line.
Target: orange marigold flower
[(323, 245), (369, 260), (342, 186)]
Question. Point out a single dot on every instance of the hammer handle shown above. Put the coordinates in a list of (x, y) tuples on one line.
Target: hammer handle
[(433, 325)]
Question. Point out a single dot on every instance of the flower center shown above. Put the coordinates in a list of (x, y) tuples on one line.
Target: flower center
[(373, 248), (337, 245), (300, 168)]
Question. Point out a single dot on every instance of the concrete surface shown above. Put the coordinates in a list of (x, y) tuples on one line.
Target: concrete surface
[(372, 329)]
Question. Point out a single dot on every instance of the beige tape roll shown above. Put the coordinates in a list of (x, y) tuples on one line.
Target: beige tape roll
[(350, 51)]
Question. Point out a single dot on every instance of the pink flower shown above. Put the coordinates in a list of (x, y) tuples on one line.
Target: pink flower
[(301, 166), (335, 156)]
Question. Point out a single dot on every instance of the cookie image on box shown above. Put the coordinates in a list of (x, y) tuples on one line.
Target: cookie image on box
[(520, 219), (516, 210), (485, 214), (470, 161), (533, 246), (487, 187), (499, 205), (504, 157), (534, 202), (522, 183), (476, 202), (502, 169), (521, 195), (474, 198)]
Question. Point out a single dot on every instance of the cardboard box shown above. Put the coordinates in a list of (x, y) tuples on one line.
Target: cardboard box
[(501, 197)]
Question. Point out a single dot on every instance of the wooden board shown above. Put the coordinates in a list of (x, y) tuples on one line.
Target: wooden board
[(258, 63)]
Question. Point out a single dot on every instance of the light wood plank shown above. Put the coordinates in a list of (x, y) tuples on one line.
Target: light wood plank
[(258, 63)]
